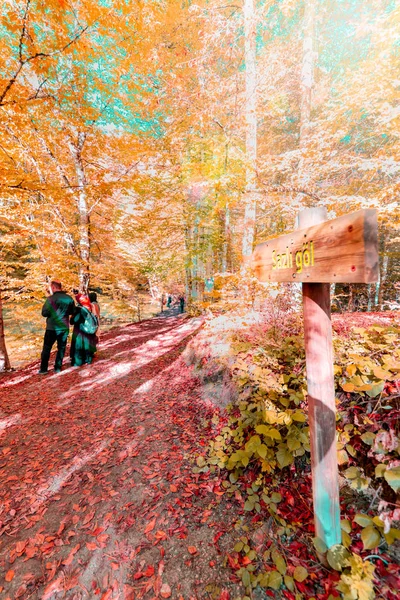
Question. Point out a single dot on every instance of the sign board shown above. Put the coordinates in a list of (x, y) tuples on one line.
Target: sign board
[(343, 250), (321, 252)]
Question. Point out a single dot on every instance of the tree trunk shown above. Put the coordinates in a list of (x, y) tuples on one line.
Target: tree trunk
[(307, 82), (382, 280), (4, 360), (139, 315), (188, 271), (227, 239), (250, 203), (83, 213)]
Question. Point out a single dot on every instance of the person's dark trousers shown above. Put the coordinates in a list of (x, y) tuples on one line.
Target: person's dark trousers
[(49, 338)]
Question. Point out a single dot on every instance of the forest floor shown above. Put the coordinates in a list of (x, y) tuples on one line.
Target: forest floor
[(98, 494)]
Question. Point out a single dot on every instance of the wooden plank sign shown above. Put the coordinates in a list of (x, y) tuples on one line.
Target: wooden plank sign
[(344, 250), (321, 252)]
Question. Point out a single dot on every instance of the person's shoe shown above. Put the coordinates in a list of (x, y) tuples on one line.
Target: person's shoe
[(57, 370), (42, 372)]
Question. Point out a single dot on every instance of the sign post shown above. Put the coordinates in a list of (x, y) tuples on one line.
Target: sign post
[(320, 252)]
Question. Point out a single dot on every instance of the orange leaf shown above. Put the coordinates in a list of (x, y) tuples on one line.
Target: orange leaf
[(173, 488), (10, 576), (70, 556), (20, 546), (91, 546), (6, 450), (150, 526), (192, 549)]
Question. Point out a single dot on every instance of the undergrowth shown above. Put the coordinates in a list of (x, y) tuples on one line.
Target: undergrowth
[(263, 447)]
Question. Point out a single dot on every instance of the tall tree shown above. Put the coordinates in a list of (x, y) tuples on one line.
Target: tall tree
[(250, 202)]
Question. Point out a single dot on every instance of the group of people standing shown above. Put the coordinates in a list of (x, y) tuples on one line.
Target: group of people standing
[(172, 300), (61, 311)]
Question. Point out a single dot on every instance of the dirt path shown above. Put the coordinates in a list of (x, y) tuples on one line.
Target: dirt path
[(97, 490)]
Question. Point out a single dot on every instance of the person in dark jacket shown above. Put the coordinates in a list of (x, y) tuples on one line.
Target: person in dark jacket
[(95, 311), (57, 310), (83, 345)]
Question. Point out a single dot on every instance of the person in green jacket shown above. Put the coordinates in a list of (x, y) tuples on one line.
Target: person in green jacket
[(57, 309)]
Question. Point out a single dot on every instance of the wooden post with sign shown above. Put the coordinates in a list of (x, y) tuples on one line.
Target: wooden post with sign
[(320, 252)]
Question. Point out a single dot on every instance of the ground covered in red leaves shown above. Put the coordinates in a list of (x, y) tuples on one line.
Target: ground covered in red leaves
[(98, 495), (101, 494)]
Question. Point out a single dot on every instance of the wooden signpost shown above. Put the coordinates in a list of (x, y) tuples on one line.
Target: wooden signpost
[(320, 252)]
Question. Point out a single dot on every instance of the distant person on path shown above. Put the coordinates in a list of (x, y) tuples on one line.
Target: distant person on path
[(57, 310), (181, 303), (169, 302), (96, 312), (83, 343)]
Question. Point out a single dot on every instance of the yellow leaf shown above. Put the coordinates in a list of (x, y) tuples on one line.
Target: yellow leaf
[(300, 574), (371, 538)]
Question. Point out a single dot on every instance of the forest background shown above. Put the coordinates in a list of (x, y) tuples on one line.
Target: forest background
[(146, 146)]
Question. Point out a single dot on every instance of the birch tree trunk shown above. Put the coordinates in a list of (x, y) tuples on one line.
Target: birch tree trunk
[(83, 212), (4, 360), (227, 237), (382, 280), (250, 203), (188, 271), (307, 82)]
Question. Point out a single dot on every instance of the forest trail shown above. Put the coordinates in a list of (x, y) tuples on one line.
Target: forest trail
[(98, 494)]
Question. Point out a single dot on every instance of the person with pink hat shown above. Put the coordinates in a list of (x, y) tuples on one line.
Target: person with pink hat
[(83, 343)]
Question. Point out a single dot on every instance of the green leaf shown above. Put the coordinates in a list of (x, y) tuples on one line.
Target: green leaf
[(245, 461), (263, 429), (342, 457), (352, 473), (274, 434), (345, 525), (279, 562), (284, 457), (238, 547), (376, 389), (262, 451), (368, 438), (246, 578), (363, 520), (392, 535), (378, 522), (392, 476), (300, 574), (319, 545), (249, 505), (299, 416), (274, 580), (293, 443), (337, 556), (351, 450), (371, 538), (253, 443), (276, 497), (346, 539), (289, 582), (233, 477), (380, 470)]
